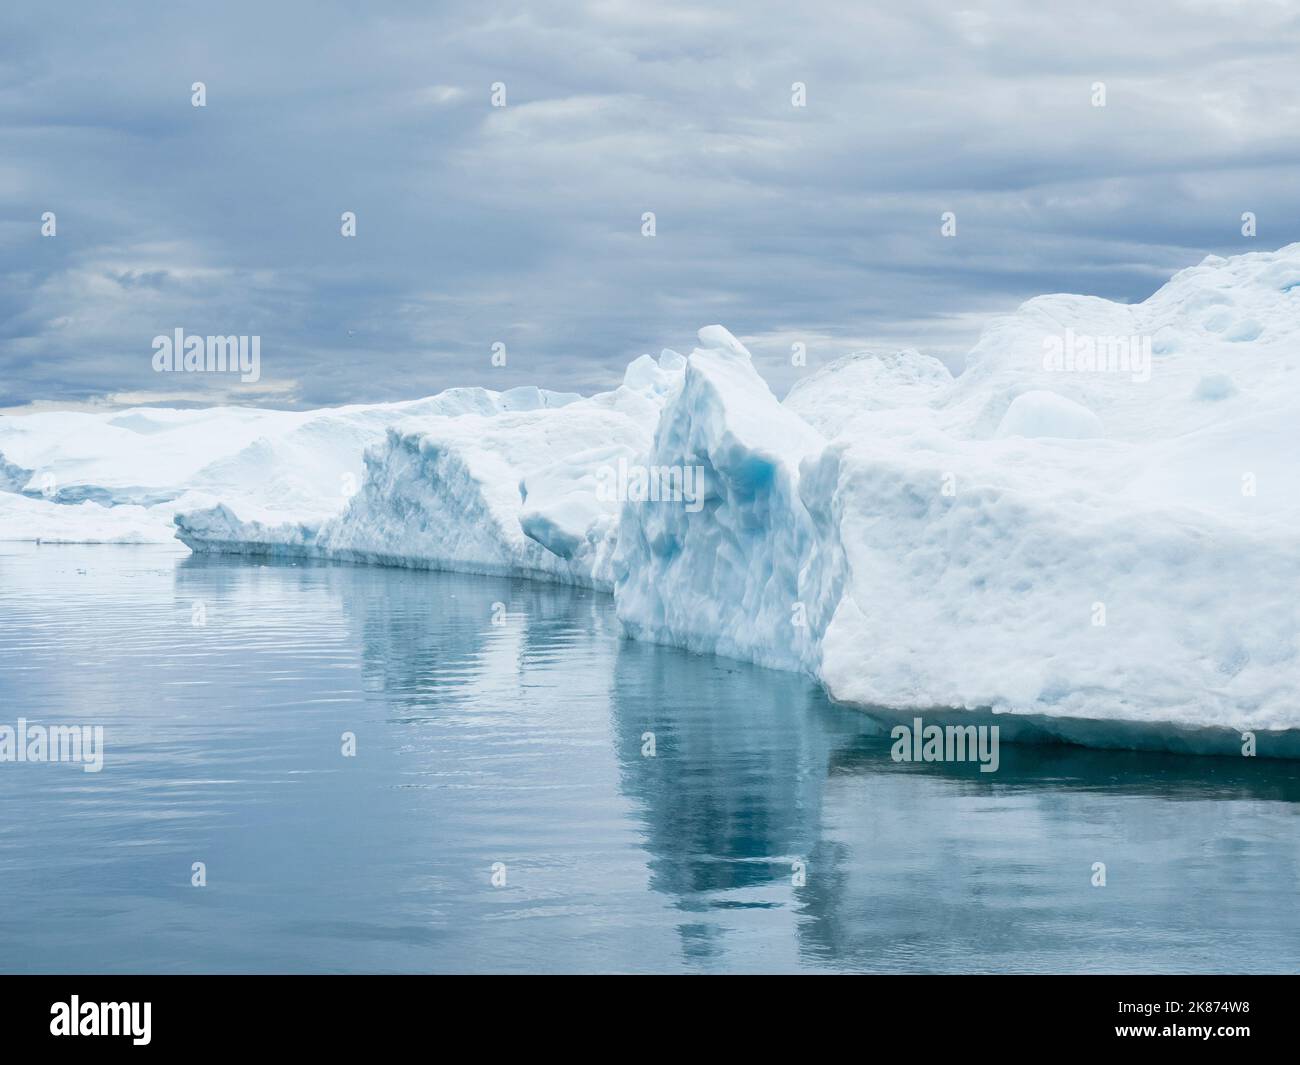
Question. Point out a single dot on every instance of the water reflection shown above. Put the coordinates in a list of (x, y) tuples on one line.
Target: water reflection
[(502, 720), (937, 867)]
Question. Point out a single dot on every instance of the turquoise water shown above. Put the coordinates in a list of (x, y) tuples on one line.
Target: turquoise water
[(521, 743)]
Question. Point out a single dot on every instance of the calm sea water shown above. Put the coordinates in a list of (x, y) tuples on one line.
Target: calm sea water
[(521, 743)]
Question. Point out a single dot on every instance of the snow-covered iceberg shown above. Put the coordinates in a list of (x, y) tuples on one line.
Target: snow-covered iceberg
[(1109, 540), (1080, 527), (1092, 531), (513, 492), (123, 475)]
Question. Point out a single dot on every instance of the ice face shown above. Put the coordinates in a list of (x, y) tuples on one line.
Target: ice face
[(722, 576)]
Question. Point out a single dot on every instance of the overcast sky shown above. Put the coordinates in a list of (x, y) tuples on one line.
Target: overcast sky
[(523, 224)]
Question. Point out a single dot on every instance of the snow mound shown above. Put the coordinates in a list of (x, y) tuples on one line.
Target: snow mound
[(866, 381), (1047, 414)]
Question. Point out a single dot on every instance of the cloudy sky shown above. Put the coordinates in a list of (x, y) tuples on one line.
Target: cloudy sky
[(523, 224)]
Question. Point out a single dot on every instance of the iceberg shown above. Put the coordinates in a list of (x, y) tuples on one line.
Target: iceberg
[(506, 492), (1063, 540), (1091, 533), (271, 466)]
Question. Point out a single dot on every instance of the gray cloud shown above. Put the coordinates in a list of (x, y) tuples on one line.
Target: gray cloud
[(522, 224)]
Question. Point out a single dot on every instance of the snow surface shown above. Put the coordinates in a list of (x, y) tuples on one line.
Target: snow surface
[(867, 381), (1108, 551)]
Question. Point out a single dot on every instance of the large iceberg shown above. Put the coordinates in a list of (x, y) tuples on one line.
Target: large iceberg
[(507, 492), (1115, 539), (1090, 532), (123, 475)]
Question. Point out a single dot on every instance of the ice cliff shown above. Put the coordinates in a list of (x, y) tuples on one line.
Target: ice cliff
[(723, 577)]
